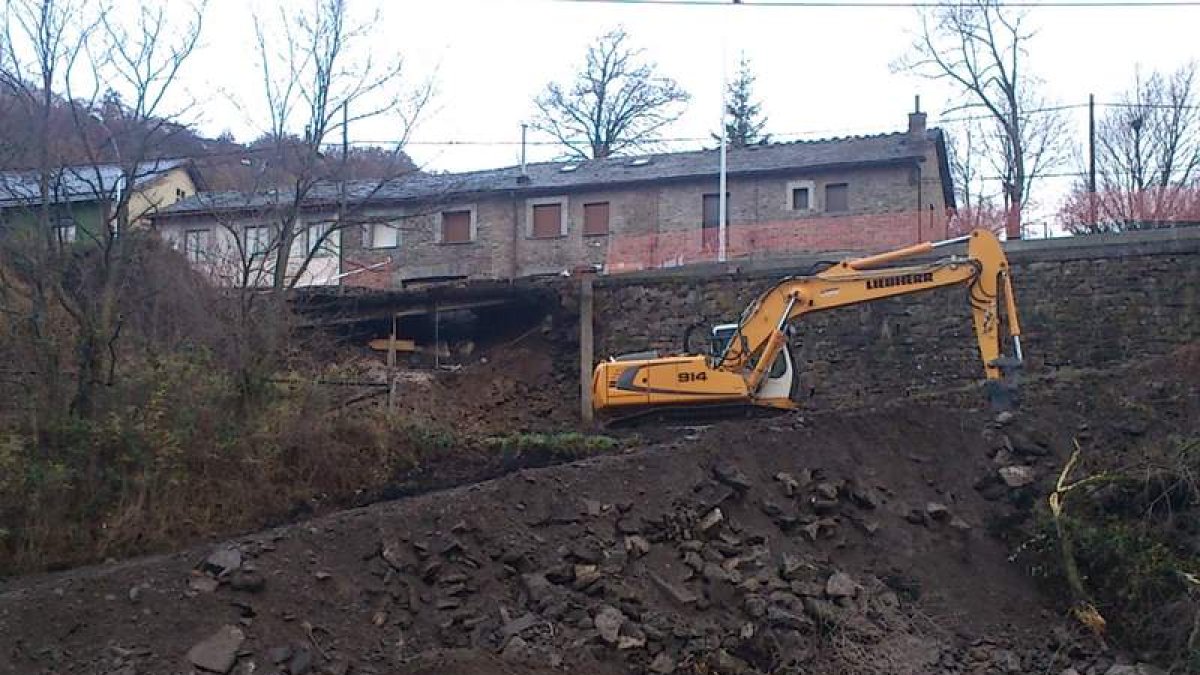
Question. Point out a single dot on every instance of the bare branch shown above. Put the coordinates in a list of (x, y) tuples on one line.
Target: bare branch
[(980, 47), (618, 103)]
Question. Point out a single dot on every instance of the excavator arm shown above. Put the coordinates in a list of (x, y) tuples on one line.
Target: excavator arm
[(745, 369)]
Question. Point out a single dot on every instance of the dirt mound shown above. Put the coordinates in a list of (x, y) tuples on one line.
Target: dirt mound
[(854, 543), (526, 385)]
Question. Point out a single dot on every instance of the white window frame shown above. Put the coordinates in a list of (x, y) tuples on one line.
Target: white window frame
[(370, 241), (259, 244), (437, 227), (200, 250), (564, 223), (312, 237), (66, 231), (794, 185)]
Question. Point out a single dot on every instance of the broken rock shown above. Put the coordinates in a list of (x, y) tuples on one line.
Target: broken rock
[(223, 561), (827, 491), (249, 582), (790, 567), (1017, 475), (663, 664), (710, 521), (636, 546), (790, 484), (608, 622), (677, 593), (840, 585), (732, 476), (937, 511), (218, 652), (203, 584), (783, 618)]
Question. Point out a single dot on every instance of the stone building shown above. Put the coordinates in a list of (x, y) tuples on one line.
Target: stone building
[(618, 214)]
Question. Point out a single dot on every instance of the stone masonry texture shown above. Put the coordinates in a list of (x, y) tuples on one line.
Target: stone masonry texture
[(652, 224)]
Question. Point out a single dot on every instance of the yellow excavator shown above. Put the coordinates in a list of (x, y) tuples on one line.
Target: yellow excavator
[(748, 363)]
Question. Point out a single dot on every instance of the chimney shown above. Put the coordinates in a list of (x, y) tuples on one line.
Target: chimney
[(916, 119)]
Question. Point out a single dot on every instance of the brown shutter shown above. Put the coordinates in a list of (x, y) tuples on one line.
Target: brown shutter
[(837, 198), (547, 220), (595, 218), (711, 209), (456, 227)]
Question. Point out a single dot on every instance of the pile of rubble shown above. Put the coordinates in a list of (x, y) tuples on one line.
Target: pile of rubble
[(851, 544)]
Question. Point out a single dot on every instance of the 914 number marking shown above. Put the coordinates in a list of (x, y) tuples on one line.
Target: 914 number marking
[(693, 377)]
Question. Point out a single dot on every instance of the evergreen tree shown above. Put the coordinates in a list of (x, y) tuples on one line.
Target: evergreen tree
[(744, 121)]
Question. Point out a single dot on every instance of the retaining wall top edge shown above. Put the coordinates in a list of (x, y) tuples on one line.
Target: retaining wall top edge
[(1174, 241)]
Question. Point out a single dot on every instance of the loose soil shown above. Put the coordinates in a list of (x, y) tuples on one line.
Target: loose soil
[(873, 541), (529, 384)]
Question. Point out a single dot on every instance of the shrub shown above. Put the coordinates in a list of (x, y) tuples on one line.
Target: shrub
[(1135, 540)]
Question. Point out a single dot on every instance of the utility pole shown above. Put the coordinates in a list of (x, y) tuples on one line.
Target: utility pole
[(722, 204), (524, 129), (1092, 160)]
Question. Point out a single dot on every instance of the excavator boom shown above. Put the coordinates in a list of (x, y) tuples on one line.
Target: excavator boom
[(752, 364)]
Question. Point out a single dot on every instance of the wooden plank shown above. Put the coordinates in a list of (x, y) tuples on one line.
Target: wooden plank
[(399, 344), (586, 354)]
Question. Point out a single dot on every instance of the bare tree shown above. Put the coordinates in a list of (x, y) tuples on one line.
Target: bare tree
[(318, 77), (618, 102), (1147, 159), (70, 64), (981, 46), (744, 121), (975, 193)]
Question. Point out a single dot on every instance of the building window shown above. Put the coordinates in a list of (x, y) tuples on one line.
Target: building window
[(456, 227), (320, 239), (256, 240), (64, 231), (837, 198), (800, 199), (710, 225), (381, 235), (195, 243), (595, 218), (547, 220)]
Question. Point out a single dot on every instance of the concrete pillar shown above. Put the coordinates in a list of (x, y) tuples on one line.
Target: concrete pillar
[(586, 349)]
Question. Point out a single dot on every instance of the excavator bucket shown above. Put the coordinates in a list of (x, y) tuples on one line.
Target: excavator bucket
[(1004, 393)]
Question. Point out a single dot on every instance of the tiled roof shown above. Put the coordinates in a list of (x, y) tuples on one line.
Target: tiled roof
[(77, 183), (550, 176)]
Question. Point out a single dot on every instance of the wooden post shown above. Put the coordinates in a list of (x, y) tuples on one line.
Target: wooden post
[(391, 362), (586, 355)]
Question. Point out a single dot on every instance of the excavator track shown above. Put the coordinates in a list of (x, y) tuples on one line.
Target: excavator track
[(690, 413)]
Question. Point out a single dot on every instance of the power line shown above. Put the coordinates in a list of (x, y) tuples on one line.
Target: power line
[(909, 4)]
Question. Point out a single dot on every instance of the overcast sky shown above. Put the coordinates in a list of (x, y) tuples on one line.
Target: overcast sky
[(821, 71)]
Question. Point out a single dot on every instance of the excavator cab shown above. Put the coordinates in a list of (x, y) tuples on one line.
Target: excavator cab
[(722, 335), (782, 380)]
